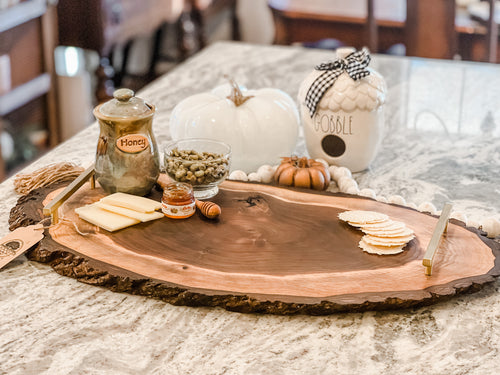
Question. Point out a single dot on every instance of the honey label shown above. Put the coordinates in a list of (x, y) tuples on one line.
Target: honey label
[(132, 143), (178, 212)]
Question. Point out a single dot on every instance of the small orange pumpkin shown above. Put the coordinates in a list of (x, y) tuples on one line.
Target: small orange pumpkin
[(302, 172)]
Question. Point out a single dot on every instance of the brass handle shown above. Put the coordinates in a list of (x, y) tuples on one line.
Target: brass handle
[(441, 227), (53, 206)]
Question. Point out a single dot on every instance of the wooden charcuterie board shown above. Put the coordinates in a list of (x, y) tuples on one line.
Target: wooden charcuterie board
[(273, 250)]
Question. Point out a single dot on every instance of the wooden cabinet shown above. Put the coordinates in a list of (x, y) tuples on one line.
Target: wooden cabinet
[(100, 25), (27, 101)]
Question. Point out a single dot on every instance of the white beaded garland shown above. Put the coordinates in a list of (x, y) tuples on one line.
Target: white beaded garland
[(254, 177), (427, 207), (491, 226), (458, 215), (332, 169), (238, 175), (343, 179), (473, 223), (353, 190), (369, 193), (341, 172), (397, 199), (265, 173), (382, 199), (345, 183), (333, 185), (413, 205)]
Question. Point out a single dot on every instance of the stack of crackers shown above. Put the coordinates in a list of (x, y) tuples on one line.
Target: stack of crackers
[(383, 236)]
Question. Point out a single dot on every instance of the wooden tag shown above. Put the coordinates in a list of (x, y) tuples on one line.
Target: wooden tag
[(18, 241)]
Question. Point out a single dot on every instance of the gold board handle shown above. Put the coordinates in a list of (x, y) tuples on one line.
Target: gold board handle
[(53, 206), (441, 228)]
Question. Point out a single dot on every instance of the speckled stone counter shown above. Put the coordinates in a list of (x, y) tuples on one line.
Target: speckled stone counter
[(441, 143)]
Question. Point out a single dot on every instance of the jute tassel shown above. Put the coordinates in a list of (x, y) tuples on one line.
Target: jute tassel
[(52, 173)]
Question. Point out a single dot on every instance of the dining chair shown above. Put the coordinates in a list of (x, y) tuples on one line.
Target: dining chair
[(191, 28), (176, 13), (492, 34), (430, 28), (371, 26), (203, 11), (431, 32)]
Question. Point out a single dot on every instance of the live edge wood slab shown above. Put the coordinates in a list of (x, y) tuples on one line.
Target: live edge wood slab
[(273, 250)]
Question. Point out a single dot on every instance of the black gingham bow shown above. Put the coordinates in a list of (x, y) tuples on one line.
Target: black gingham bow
[(354, 64)]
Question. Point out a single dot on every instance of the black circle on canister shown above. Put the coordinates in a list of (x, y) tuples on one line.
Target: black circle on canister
[(333, 145)]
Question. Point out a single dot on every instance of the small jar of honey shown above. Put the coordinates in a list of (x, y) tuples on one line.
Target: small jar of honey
[(178, 201)]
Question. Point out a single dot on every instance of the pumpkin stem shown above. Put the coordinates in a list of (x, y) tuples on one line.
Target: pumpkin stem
[(303, 162), (236, 95)]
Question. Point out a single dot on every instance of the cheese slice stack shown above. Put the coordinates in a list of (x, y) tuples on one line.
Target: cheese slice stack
[(141, 216), (105, 219), (132, 202), (120, 210)]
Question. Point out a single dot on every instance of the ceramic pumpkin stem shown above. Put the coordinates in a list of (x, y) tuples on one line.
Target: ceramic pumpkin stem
[(236, 95), (303, 162)]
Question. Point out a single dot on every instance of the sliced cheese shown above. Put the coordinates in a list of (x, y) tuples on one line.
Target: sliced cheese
[(132, 202), (104, 219), (142, 216)]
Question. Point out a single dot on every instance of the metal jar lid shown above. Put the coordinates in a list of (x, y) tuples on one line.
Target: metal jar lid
[(124, 105)]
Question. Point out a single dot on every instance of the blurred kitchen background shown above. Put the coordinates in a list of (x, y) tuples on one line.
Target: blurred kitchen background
[(58, 59)]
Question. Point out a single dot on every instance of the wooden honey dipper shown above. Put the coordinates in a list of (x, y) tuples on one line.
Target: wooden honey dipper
[(210, 210)]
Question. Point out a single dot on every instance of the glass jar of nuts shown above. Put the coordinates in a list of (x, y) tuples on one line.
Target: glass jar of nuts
[(203, 163)]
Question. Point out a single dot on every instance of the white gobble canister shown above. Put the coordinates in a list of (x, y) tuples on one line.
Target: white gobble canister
[(341, 105)]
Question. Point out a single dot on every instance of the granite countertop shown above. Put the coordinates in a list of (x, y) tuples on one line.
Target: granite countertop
[(441, 143)]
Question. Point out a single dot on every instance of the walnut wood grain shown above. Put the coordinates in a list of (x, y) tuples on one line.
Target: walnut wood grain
[(273, 250)]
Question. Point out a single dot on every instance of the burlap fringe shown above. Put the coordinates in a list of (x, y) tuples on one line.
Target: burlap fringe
[(52, 173)]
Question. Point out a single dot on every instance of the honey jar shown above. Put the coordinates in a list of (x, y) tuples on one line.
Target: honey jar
[(127, 157), (178, 200)]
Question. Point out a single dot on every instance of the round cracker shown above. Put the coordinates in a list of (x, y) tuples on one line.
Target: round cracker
[(387, 241), (362, 225), (362, 217), (405, 232), (380, 250), (386, 225)]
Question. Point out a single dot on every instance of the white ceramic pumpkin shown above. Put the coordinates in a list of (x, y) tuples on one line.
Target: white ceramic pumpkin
[(260, 125)]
